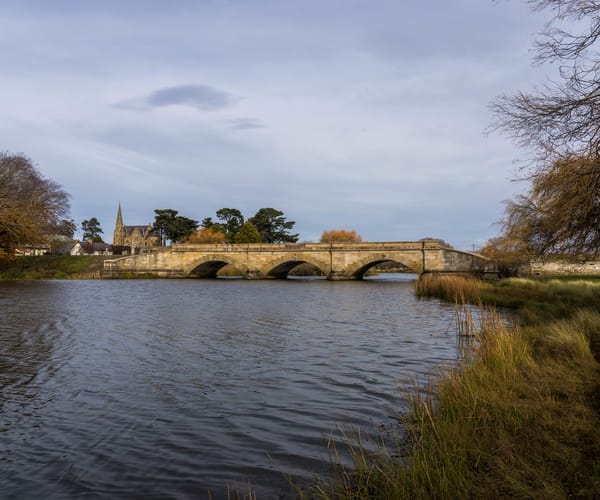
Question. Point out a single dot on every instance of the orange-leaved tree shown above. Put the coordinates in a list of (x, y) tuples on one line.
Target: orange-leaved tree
[(340, 236), (206, 235)]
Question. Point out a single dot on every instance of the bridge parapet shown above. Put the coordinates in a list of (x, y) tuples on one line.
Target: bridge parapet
[(335, 260), (296, 247)]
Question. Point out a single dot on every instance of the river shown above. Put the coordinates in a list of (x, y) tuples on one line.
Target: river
[(173, 388)]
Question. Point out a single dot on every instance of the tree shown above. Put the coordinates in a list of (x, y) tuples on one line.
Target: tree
[(206, 235), (562, 118), (340, 236), (171, 226), (207, 222), (560, 213), (65, 227), (180, 228), (162, 220), (233, 221), (30, 204), (273, 227), (247, 234), (510, 253), (91, 230)]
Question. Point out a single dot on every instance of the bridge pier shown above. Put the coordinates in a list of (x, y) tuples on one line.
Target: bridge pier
[(340, 276), (255, 274)]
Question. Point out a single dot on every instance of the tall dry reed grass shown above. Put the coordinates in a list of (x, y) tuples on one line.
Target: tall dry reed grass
[(453, 288), (518, 419)]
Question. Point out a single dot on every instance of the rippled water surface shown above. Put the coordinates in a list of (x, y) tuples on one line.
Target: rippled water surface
[(172, 388)]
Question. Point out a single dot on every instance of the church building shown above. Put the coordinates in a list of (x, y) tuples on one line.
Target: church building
[(135, 237)]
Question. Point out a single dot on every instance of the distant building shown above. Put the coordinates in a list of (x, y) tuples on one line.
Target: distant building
[(90, 248), (56, 244), (135, 237), (30, 250), (61, 245)]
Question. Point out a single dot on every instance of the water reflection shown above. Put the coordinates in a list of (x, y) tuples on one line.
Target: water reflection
[(171, 388)]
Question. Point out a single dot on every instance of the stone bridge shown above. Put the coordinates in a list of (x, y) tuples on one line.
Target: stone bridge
[(337, 261)]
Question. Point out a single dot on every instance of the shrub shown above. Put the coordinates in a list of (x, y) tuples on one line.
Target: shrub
[(206, 235), (340, 236)]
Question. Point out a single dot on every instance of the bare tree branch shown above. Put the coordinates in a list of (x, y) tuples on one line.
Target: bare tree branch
[(559, 119)]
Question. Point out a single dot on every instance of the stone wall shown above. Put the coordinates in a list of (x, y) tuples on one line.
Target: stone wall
[(538, 268)]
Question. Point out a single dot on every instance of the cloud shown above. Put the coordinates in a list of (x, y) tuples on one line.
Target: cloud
[(245, 124), (201, 97), (338, 113)]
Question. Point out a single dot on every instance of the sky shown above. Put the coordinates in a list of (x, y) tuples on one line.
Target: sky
[(357, 114)]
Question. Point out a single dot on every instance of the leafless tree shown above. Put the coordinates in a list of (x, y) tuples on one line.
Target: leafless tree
[(561, 118), (560, 122)]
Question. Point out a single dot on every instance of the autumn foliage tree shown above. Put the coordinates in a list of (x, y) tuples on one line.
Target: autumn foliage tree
[(31, 206), (560, 122), (560, 213), (340, 236), (207, 235), (509, 252)]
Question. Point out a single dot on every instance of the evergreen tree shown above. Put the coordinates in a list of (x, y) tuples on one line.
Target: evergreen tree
[(171, 226), (273, 227), (163, 218), (180, 228), (247, 234), (207, 222), (232, 221), (91, 230)]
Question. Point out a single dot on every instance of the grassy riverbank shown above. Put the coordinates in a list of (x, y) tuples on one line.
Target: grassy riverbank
[(53, 267), (519, 419)]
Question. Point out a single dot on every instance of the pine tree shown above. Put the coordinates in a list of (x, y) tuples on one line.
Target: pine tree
[(247, 234)]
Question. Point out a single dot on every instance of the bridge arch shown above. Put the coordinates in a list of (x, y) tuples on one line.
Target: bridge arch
[(281, 267), (208, 267), (360, 268)]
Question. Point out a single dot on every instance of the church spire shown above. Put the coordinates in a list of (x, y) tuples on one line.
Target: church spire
[(119, 234), (119, 217)]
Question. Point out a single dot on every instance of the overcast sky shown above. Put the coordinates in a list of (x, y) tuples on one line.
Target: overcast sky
[(366, 115)]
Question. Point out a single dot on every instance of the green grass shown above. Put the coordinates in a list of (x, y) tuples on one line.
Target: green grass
[(567, 278), (541, 301), (53, 267), (537, 301), (135, 276), (518, 419)]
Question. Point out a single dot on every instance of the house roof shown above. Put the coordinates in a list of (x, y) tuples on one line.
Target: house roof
[(144, 230), (90, 247), (64, 246)]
